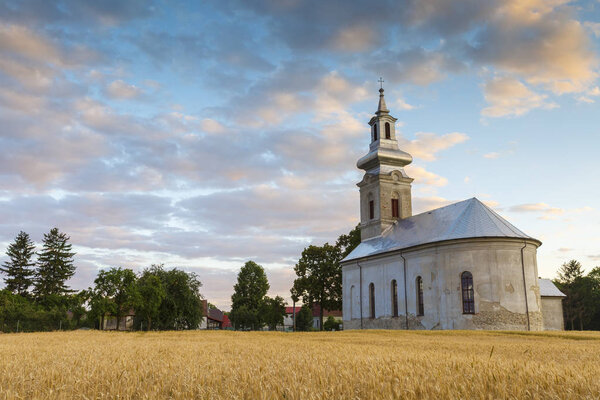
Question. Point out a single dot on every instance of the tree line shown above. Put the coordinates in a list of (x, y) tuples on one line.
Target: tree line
[(36, 296), (582, 305), (318, 282), (160, 299)]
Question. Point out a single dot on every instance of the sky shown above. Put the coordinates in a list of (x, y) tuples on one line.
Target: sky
[(202, 135)]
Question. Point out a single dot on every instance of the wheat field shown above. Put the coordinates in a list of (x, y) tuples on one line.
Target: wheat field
[(328, 365)]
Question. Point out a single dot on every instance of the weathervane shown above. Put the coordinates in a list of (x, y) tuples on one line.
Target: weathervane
[(381, 82)]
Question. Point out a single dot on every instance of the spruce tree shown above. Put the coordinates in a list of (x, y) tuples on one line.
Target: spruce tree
[(55, 266), (19, 269)]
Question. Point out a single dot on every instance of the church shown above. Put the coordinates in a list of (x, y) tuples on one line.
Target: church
[(461, 266)]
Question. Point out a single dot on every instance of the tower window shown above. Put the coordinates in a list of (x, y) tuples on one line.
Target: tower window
[(468, 297), (371, 300), (394, 298), (420, 305), (371, 209), (388, 134), (395, 208), (374, 132)]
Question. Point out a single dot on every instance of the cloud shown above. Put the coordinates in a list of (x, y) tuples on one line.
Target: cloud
[(432, 39), (564, 249), (401, 104), (536, 207), (121, 90), (78, 12), (355, 38), (260, 162), (594, 27), (212, 126), (422, 176), (553, 49), (492, 155), (417, 65), (589, 94), (546, 211), (508, 97), (426, 145), (22, 42), (423, 204)]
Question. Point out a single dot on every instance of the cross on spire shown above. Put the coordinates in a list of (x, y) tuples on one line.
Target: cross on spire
[(381, 82)]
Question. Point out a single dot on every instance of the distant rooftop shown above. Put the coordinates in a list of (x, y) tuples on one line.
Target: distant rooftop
[(465, 219)]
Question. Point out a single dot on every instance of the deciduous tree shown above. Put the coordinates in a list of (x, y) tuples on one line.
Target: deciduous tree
[(181, 308), (569, 279), (320, 278), (248, 294), (116, 291), (347, 243), (273, 311), (151, 294)]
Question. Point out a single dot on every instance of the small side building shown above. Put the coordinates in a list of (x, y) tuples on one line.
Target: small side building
[(552, 306)]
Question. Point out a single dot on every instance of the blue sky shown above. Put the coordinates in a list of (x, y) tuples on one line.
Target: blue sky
[(202, 135)]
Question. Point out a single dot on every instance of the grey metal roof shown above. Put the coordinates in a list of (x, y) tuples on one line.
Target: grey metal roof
[(465, 219), (549, 289)]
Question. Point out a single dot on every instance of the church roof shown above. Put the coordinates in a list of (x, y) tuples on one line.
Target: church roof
[(549, 289), (465, 219)]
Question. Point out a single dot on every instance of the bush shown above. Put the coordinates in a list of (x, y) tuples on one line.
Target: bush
[(331, 324), (21, 314), (304, 319)]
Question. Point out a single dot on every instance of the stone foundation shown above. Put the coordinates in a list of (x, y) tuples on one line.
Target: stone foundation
[(493, 316), (384, 323)]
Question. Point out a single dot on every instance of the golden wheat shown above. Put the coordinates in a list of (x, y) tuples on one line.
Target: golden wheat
[(270, 365)]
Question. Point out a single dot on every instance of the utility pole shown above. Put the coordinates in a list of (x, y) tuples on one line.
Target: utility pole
[(294, 315)]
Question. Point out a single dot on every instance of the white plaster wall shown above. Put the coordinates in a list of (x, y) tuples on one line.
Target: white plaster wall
[(497, 277), (552, 310)]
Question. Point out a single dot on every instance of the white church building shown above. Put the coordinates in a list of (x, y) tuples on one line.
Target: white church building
[(461, 266)]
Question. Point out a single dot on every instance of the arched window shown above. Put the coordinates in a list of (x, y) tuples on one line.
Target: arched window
[(468, 297), (351, 301), (371, 300), (394, 298), (388, 134), (395, 208), (374, 132), (420, 305)]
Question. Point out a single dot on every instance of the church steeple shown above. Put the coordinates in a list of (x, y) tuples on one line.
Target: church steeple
[(385, 191), (381, 108)]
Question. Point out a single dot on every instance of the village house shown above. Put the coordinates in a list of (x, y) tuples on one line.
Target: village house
[(125, 324), (212, 317)]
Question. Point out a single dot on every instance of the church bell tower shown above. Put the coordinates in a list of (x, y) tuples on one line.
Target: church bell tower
[(385, 190)]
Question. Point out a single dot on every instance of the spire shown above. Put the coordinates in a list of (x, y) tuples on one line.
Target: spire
[(381, 108)]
